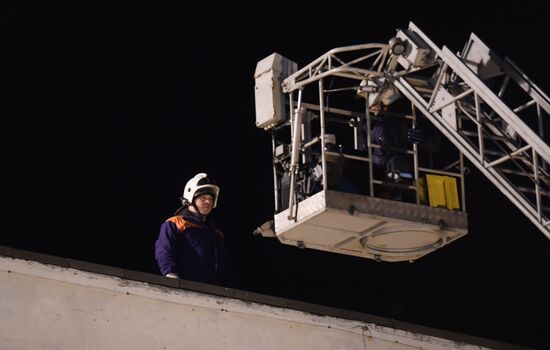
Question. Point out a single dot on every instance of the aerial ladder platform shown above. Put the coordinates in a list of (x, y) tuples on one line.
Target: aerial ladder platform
[(332, 194)]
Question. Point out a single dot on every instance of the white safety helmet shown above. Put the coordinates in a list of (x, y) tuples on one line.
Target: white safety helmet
[(197, 186)]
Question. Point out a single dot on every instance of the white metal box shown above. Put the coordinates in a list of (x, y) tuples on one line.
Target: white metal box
[(270, 73)]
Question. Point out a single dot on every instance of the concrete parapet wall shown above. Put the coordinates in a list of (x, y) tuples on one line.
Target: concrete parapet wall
[(51, 307)]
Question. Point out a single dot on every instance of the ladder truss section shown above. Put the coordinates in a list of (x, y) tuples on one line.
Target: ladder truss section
[(490, 110)]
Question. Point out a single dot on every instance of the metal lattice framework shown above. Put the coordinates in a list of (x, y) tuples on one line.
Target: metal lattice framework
[(357, 62), (490, 110), (499, 133)]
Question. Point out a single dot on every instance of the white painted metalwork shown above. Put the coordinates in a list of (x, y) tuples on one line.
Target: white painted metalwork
[(503, 138), (468, 98)]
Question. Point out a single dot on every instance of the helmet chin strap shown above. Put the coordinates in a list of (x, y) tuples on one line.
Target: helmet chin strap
[(184, 205)]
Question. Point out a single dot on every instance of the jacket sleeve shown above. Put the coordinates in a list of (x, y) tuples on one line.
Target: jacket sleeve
[(164, 248)]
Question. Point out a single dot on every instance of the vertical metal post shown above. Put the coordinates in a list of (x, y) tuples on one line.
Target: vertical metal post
[(275, 182), (306, 136), (291, 111), (296, 145), (415, 156), (369, 148), (356, 133), (462, 182), (541, 131), (537, 188), (322, 127)]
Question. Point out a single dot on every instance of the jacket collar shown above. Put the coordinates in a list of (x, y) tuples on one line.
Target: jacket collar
[(194, 217)]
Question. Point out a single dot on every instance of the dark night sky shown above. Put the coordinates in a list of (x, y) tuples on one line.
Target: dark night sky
[(108, 111)]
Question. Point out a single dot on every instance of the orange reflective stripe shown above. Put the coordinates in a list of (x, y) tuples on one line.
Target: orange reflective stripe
[(181, 223)]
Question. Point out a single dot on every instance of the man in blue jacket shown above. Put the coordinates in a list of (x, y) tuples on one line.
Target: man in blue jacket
[(189, 245)]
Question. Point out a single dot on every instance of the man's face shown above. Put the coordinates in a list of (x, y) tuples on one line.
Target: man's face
[(204, 203)]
